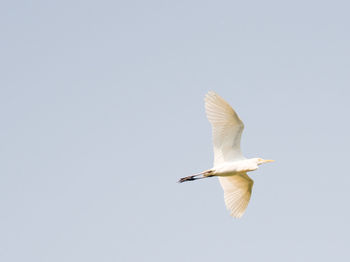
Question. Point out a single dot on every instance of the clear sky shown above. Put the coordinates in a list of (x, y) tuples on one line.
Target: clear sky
[(101, 109)]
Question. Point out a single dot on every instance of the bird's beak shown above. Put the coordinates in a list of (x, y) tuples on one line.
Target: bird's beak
[(268, 160)]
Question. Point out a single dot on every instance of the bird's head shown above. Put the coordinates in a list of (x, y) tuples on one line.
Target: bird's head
[(262, 161)]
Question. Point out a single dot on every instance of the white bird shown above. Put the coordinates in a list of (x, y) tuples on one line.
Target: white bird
[(229, 163)]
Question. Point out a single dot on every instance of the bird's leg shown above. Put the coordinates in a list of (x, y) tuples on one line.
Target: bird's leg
[(202, 175)]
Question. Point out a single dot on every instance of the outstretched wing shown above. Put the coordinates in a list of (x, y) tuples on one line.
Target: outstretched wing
[(237, 192), (227, 129)]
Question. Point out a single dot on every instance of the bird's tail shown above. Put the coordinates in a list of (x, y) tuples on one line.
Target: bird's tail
[(204, 174)]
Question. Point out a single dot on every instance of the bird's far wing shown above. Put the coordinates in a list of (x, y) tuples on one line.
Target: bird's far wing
[(227, 129), (237, 192)]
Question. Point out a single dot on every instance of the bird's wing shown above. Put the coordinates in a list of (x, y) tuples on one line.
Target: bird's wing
[(237, 192), (227, 129)]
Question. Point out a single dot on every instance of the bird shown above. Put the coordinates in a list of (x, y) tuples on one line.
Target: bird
[(230, 166)]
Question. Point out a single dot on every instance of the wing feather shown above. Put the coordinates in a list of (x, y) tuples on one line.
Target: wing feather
[(227, 129), (237, 192)]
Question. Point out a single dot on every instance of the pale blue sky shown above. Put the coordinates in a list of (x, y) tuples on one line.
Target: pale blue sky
[(101, 108)]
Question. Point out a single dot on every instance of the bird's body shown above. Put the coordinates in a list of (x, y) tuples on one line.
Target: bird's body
[(235, 167), (229, 163)]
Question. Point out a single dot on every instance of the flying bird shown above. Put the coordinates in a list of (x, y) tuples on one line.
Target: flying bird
[(230, 166)]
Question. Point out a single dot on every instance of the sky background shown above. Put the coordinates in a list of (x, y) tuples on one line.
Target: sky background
[(102, 111)]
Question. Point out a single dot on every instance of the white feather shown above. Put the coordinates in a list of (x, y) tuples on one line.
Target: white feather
[(237, 192), (227, 130)]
